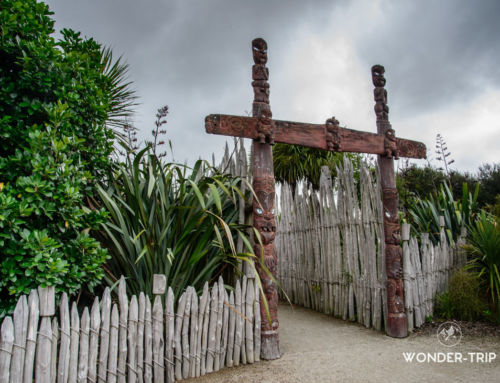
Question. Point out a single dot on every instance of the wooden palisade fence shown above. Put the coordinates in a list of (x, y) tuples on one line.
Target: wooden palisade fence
[(331, 249), (331, 253), (330, 258), (136, 340)]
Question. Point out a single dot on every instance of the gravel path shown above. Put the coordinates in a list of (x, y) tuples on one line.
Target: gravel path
[(319, 348)]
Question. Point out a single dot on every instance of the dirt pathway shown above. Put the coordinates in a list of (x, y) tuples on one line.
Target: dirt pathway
[(319, 348)]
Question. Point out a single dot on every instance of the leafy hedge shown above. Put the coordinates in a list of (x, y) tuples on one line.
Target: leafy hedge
[(55, 98)]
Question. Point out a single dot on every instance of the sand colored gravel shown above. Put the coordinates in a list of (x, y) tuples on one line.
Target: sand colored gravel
[(319, 348)]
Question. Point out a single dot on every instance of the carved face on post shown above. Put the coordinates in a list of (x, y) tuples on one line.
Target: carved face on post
[(264, 220), (393, 262), (392, 232), (259, 49), (395, 303), (378, 75)]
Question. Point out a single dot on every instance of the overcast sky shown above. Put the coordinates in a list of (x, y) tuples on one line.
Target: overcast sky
[(442, 61)]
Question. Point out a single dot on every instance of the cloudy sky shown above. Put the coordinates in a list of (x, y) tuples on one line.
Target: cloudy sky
[(442, 61)]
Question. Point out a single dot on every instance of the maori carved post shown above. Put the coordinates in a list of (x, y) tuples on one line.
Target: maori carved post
[(263, 208), (263, 130), (396, 323)]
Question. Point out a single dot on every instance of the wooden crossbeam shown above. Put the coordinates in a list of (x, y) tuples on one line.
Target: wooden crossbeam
[(311, 135)]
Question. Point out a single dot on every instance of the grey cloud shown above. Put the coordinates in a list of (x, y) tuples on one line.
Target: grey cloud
[(437, 52), (195, 55)]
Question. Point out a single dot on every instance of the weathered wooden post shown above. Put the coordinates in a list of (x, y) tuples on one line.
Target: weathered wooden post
[(397, 325), (263, 130), (263, 208)]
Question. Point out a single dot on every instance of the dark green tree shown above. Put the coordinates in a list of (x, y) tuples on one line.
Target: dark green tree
[(413, 181), (423, 182), (489, 178), (55, 101)]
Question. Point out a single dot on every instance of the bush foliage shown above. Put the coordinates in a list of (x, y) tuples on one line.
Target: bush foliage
[(168, 219), (55, 99), (484, 247), (423, 214), (463, 301)]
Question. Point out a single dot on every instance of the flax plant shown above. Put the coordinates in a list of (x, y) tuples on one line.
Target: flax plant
[(166, 218), (424, 213), (484, 247)]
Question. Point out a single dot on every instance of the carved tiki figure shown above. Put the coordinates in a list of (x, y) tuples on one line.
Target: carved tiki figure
[(379, 93), (391, 144), (333, 135), (265, 128), (260, 75), (395, 303), (263, 212), (265, 224)]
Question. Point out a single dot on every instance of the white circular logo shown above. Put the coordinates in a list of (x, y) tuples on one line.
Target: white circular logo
[(449, 334)]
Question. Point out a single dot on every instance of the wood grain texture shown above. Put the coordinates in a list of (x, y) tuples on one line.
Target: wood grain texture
[(193, 336), (53, 350), (204, 337), (310, 135), (178, 328), (83, 352), (148, 343), (20, 318), (95, 323), (122, 340), (133, 319), (113, 345), (238, 325), (225, 329), (33, 304), (104, 336), (218, 330), (230, 340), (74, 344), (202, 319), (43, 348), (6, 344), (212, 328), (140, 337), (169, 335), (185, 334), (158, 342), (64, 347)]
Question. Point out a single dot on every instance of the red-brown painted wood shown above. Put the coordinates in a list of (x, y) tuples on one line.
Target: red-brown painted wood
[(311, 135), (263, 206), (264, 132), (397, 325)]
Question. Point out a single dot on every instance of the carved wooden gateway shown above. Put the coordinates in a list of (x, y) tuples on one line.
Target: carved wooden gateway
[(264, 131)]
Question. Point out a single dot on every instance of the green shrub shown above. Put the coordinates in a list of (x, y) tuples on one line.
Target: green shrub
[(463, 301), (423, 214), (55, 99), (484, 247), (167, 219)]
